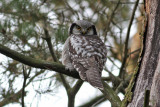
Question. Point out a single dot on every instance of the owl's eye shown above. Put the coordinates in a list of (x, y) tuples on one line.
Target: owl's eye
[(78, 27)]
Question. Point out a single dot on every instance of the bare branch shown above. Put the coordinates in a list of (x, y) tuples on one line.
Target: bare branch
[(12, 98), (48, 39), (110, 20), (26, 75), (66, 85), (125, 2), (36, 62), (137, 50), (72, 93), (127, 39), (111, 95), (16, 96), (92, 101), (77, 86)]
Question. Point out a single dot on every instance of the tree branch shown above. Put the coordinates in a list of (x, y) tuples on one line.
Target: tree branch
[(92, 101), (110, 20), (48, 40), (36, 62), (26, 76), (12, 98), (77, 86), (16, 96), (66, 85), (111, 95), (127, 39), (72, 93)]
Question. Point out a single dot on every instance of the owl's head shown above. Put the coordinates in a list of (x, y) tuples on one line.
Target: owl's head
[(82, 27)]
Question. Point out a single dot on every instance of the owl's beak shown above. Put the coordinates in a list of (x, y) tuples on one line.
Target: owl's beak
[(83, 31)]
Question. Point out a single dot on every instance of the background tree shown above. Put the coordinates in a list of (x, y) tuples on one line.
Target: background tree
[(32, 36), (144, 87)]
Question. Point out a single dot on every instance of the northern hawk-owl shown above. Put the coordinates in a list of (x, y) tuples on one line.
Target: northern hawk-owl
[(85, 52)]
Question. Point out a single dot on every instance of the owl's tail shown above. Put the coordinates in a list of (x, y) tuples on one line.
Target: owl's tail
[(94, 78)]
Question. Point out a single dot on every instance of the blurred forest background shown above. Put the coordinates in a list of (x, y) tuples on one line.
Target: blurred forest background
[(29, 27)]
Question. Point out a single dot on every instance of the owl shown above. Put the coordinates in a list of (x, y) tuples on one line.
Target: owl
[(85, 52)]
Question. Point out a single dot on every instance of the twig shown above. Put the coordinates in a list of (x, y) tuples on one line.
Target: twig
[(126, 41), (66, 85), (92, 101), (123, 85), (71, 9), (16, 96), (106, 78), (25, 75), (113, 62), (137, 50), (110, 20), (114, 78), (48, 39), (125, 2)]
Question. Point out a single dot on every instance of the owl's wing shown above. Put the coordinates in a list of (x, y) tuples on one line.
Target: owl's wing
[(88, 56), (66, 59)]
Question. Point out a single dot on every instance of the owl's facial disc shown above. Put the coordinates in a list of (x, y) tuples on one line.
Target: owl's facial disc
[(82, 27), (82, 30)]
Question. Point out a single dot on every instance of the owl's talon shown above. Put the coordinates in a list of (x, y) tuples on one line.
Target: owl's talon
[(69, 69)]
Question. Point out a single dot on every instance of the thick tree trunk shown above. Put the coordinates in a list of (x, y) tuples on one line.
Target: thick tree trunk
[(148, 77)]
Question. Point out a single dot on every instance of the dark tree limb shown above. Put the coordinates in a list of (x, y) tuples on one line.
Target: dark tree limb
[(77, 86), (72, 93), (111, 95), (57, 67), (65, 84)]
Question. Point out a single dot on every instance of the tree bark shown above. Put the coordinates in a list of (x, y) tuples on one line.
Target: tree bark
[(148, 77)]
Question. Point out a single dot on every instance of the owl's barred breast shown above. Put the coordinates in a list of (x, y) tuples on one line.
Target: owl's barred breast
[(86, 46), (88, 56)]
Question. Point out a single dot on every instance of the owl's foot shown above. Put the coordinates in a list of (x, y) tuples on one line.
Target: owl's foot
[(69, 69)]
